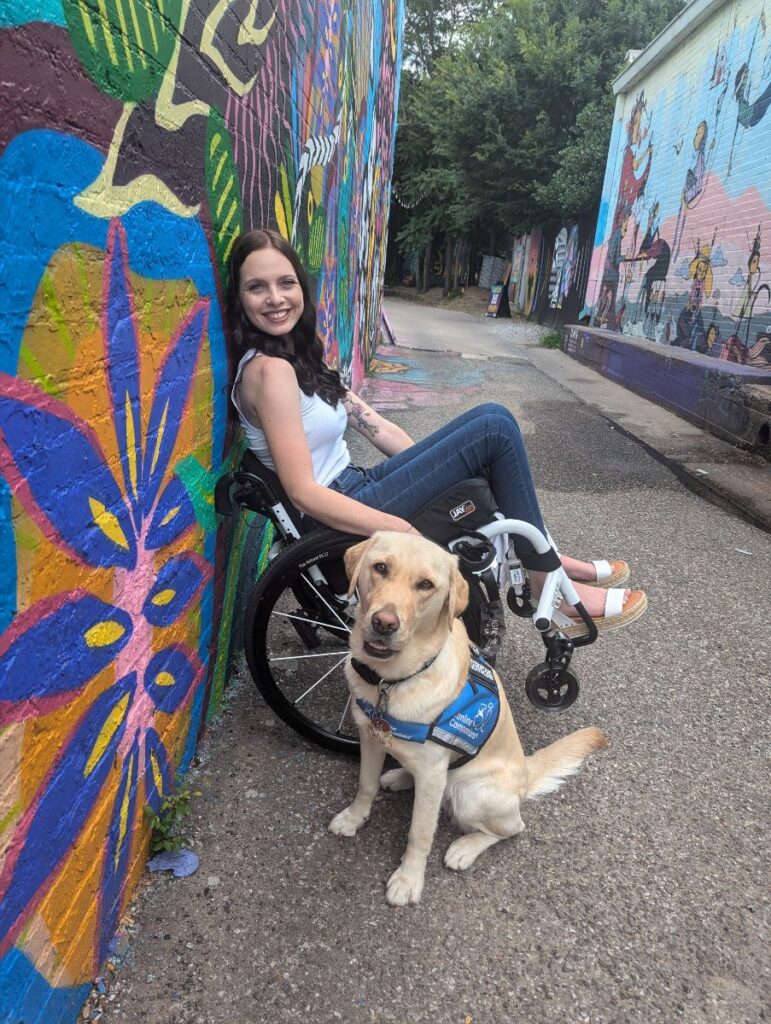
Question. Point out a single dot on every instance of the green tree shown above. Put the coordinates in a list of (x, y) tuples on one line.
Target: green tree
[(506, 111)]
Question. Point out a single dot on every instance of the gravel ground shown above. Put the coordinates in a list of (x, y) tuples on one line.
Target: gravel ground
[(638, 893)]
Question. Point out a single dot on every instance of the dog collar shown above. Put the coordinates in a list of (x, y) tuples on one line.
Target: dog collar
[(369, 675)]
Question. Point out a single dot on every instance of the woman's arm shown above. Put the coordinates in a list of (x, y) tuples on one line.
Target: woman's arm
[(386, 436), (270, 386)]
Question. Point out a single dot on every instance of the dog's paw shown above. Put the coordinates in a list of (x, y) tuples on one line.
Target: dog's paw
[(404, 887), (346, 823), (461, 854), (396, 779)]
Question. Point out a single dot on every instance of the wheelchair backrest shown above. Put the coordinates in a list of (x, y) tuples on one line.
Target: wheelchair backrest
[(256, 487)]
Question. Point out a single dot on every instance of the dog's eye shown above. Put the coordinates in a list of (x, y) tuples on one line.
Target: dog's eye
[(426, 585), (380, 568)]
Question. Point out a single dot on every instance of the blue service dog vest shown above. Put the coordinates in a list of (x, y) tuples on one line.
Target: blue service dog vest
[(465, 726)]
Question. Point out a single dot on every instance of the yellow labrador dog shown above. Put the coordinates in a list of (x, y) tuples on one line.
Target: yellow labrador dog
[(410, 661)]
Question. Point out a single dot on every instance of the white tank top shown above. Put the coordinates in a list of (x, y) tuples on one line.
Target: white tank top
[(324, 427)]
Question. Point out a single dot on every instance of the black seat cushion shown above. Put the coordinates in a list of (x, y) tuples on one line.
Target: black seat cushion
[(459, 509)]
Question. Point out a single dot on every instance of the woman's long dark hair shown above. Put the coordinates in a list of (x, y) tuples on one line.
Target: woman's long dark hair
[(313, 374)]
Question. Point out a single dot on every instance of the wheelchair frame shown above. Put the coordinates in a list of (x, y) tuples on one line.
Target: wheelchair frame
[(296, 566)]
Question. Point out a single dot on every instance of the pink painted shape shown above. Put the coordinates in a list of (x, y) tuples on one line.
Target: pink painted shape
[(401, 394)]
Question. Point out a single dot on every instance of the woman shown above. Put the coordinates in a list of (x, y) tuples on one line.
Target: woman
[(294, 410)]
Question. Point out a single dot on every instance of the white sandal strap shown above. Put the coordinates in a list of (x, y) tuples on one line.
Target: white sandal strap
[(614, 604), (603, 569)]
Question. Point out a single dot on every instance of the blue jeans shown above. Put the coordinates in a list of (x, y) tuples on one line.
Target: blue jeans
[(485, 441)]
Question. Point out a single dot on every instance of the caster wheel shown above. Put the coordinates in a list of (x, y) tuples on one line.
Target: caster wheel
[(551, 689)]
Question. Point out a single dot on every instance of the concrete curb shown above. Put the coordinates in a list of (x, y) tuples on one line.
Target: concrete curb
[(735, 480), (729, 399)]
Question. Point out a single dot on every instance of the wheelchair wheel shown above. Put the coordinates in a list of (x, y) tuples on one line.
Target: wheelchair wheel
[(551, 689), (296, 639)]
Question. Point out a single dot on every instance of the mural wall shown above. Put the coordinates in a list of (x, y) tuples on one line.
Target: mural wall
[(137, 139), (549, 271), (683, 243)]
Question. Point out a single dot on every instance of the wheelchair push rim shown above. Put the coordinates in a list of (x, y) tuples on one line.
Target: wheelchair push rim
[(296, 640)]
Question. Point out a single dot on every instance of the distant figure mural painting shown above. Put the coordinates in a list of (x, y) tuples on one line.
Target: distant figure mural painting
[(690, 325), (748, 113), (694, 184), (744, 310), (635, 168), (636, 164), (607, 313)]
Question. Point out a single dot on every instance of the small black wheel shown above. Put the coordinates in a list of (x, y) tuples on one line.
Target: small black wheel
[(551, 688), (296, 639)]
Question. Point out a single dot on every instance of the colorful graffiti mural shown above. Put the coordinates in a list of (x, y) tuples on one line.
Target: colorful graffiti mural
[(549, 272), (682, 250), (136, 142)]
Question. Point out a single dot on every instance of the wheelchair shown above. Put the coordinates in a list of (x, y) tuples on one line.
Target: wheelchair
[(299, 615)]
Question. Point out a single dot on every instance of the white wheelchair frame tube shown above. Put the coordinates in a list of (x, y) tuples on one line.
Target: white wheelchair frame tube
[(558, 578)]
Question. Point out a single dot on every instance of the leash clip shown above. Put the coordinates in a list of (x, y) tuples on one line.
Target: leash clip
[(382, 697), (381, 708)]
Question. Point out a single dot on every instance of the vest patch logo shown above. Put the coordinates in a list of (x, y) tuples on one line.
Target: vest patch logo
[(479, 668), (461, 511)]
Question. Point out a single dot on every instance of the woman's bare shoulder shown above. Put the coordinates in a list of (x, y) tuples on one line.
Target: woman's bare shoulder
[(268, 371)]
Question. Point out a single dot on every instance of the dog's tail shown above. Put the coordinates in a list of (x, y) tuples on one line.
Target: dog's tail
[(548, 768)]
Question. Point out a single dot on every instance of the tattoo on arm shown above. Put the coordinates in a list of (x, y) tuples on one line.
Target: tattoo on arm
[(358, 413)]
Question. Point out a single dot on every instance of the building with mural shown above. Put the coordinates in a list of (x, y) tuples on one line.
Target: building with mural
[(682, 250), (137, 139)]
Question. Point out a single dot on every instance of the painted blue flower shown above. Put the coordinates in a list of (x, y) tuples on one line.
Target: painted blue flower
[(57, 469)]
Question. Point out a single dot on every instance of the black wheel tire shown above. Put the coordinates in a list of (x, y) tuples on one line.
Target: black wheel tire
[(284, 580), (551, 689)]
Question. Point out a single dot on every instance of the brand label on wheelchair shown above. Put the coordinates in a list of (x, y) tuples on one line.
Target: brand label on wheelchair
[(314, 559), (460, 511)]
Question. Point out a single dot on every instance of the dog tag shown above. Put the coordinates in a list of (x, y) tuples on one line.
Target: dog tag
[(381, 725)]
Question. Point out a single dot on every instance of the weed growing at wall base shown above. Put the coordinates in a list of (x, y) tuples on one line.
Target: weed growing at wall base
[(552, 339), (166, 822)]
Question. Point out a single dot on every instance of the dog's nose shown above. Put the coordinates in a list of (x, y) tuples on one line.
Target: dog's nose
[(385, 620)]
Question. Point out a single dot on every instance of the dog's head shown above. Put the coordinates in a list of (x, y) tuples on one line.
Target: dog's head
[(409, 589)]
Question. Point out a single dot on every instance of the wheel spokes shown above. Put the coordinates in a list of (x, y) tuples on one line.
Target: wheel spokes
[(314, 654), (346, 710), (321, 679), (310, 622), (321, 597)]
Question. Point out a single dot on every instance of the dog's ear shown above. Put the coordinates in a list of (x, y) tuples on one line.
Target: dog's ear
[(457, 597), (353, 558)]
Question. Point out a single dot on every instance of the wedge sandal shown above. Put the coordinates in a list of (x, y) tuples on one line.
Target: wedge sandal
[(609, 574), (618, 613)]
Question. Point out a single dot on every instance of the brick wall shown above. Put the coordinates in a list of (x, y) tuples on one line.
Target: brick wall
[(682, 251), (136, 141)]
